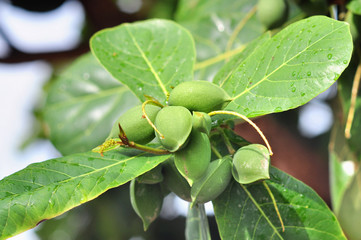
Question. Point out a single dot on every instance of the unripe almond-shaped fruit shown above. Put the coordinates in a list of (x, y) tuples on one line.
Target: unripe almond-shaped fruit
[(175, 124), (151, 177), (202, 122), (251, 163), (272, 13), (201, 96), (135, 125), (214, 181), (146, 200), (175, 182), (192, 161)]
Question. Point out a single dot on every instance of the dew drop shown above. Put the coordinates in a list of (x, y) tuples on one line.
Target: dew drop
[(303, 94), (345, 61), (246, 110), (293, 73), (308, 73), (329, 56), (293, 89)]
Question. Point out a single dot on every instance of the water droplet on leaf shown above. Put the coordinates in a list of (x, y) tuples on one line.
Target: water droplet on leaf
[(329, 56)]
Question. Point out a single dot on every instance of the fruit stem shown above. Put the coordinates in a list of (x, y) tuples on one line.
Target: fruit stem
[(216, 152), (274, 204), (227, 142), (247, 120), (354, 92), (148, 149), (146, 116)]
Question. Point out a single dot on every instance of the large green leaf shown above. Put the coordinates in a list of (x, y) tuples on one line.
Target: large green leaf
[(248, 212), (291, 68), (339, 156), (355, 6), (47, 189), (82, 105), (150, 57), (220, 29), (350, 209), (236, 60)]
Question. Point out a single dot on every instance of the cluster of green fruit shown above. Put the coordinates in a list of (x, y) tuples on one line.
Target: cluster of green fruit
[(272, 13), (183, 128)]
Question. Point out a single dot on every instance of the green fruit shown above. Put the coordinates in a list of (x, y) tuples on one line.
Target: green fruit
[(192, 161), (175, 182), (272, 13), (135, 125), (151, 177), (214, 181), (175, 124), (251, 163), (201, 96), (202, 122), (146, 200)]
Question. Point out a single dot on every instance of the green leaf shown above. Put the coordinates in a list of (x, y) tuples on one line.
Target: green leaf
[(47, 189), (150, 57), (291, 68), (350, 209), (354, 6), (340, 156), (220, 29), (197, 227), (235, 61), (304, 214), (147, 200), (82, 105)]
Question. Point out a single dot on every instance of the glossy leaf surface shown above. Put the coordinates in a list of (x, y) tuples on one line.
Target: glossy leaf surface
[(47, 189), (82, 105), (149, 57), (291, 68), (304, 214)]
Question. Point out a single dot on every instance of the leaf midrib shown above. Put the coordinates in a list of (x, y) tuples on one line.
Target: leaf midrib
[(79, 176), (88, 97), (156, 76), (283, 64)]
